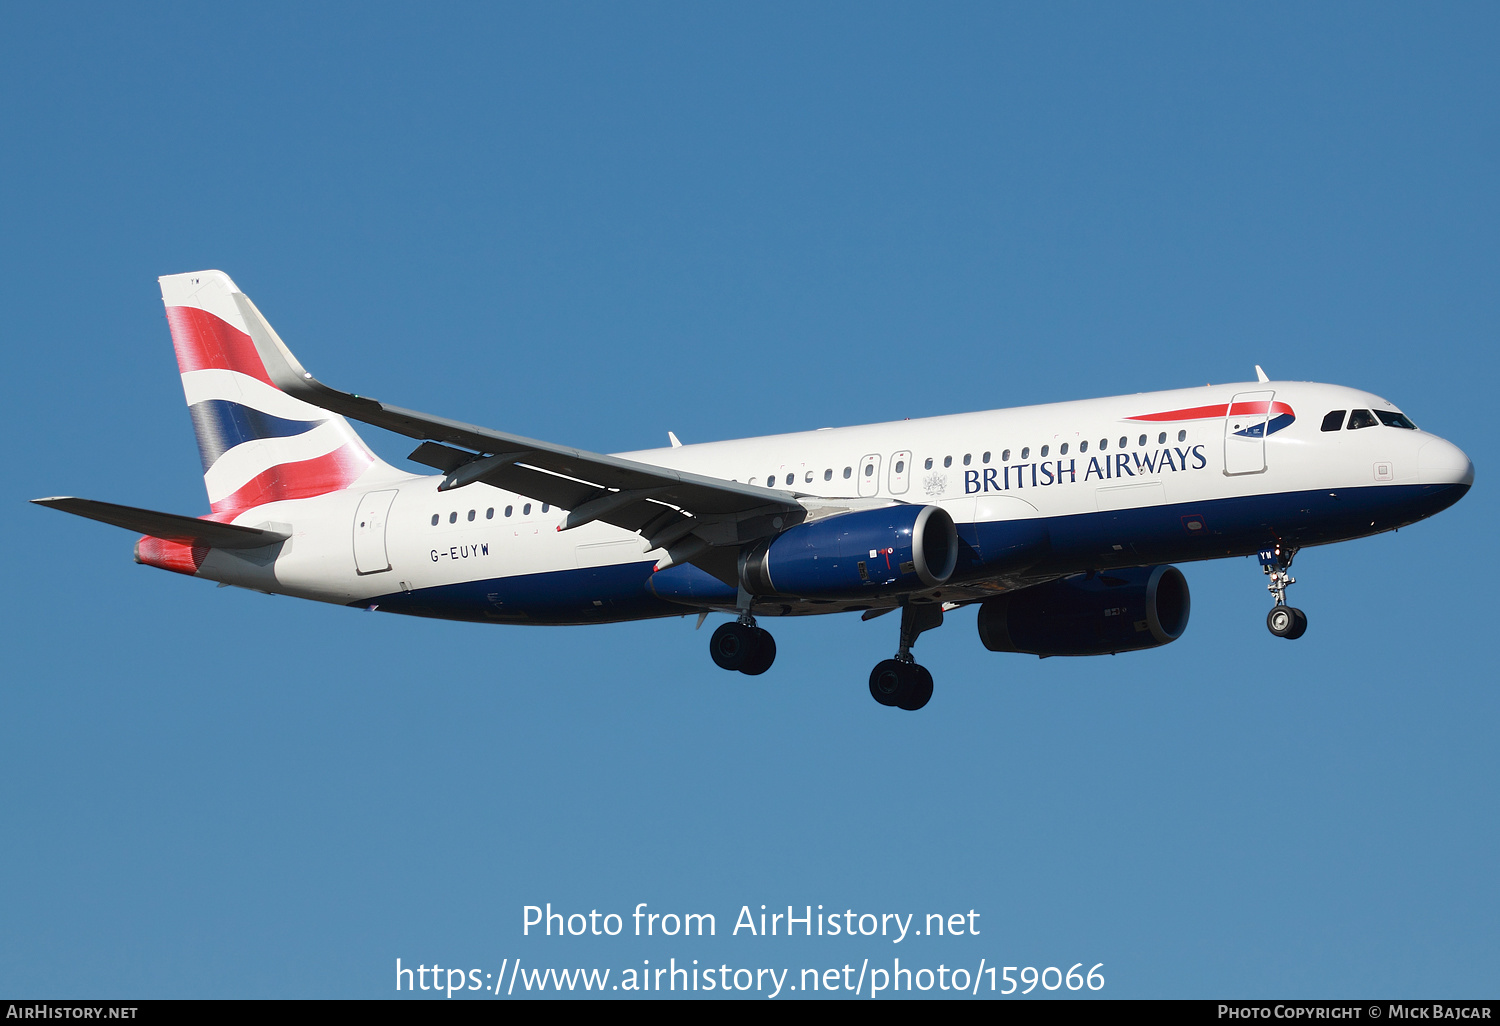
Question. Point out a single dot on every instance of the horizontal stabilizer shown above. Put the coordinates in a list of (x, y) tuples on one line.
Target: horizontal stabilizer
[(167, 526)]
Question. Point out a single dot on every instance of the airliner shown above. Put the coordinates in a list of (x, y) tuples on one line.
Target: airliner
[(1060, 522)]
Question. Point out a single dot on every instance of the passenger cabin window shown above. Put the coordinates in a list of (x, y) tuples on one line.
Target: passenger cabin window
[(526, 510), (489, 514), (928, 464), (1025, 454), (1103, 444), (1083, 446), (1161, 439), (771, 481), (434, 520), (1063, 449), (985, 458), (453, 518), (1395, 420), (947, 461), (1005, 456), (509, 510), (790, 478), (869, 470), (1044, 452), (828, 474), (1361, 419), (968, 458), (1334, 420), (1182, 436), (1124, 442), (900, 466), (471, 516), (1142, 441), (847, 472)]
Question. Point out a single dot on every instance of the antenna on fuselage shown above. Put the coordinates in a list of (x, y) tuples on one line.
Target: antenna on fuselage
[(1260, 375)]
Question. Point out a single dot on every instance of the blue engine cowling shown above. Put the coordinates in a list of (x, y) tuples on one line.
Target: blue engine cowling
[(895, 548), (1089, 614)]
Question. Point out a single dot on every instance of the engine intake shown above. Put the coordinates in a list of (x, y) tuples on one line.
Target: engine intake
[(1094, 614), (895, 548)]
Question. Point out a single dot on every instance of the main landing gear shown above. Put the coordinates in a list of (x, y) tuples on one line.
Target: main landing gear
[(902, 682), (1283, 620), (740, 645)]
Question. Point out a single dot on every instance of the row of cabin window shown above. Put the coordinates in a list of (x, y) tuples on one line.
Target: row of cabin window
[(900, 467), (1364, 418), (489, 514), (792, 478), (968, 459)]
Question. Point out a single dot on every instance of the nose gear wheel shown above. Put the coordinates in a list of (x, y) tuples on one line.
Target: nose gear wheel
[(1287, 622)]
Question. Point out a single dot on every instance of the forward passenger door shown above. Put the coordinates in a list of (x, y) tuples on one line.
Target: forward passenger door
[(1245, 432)]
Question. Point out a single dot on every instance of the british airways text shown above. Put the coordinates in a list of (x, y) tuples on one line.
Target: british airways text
[(1104, 468)]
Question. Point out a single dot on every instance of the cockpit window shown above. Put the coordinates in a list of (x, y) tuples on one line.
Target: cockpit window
[(1393, 419), (1334, 420), (1361, 419)]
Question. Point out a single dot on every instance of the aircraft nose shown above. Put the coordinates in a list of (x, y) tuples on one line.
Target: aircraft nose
[(1441, 462)]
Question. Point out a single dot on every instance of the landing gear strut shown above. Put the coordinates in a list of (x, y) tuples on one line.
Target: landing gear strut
[(1284, 621), (740, 645), (902, 682)]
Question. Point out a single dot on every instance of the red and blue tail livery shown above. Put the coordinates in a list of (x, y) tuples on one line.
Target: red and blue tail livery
[(258, 444), (1059, 524)]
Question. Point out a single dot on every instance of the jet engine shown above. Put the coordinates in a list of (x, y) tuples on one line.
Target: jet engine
[(891, 549), (1089, 614)]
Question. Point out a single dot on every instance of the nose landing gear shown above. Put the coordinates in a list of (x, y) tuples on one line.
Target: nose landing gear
[(902, 682), (1284, 621)]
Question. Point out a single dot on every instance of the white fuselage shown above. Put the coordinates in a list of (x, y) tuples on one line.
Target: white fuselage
[(1171, 489)]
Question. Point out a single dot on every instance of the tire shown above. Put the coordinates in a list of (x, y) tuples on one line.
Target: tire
[(762, 654), (732, 645), (1281, 620), (888, 682), (1299, 625), (920, 692)]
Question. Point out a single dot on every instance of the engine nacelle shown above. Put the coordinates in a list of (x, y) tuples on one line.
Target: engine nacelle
[(1095, 614), (894, 548)]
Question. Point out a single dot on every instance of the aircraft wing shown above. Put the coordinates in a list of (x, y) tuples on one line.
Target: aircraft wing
[(170, 526), (682, 512)]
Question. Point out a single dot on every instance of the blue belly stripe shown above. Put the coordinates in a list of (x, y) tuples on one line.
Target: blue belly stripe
[(1043, 547)]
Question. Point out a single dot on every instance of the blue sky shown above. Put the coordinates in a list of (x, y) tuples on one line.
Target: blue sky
[(598, 223)]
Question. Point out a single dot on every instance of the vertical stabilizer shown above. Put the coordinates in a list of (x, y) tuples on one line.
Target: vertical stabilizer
[(257, 443)]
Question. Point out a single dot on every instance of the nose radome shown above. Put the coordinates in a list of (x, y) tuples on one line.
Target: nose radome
[(1441, 462)]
